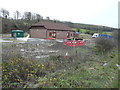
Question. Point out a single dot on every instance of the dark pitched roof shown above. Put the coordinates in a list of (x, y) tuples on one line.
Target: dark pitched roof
[(52, 25)]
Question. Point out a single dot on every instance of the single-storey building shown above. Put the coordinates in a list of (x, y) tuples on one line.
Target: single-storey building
[(48, 29)]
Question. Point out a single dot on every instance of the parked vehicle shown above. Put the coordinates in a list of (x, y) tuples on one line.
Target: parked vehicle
[(95, 35), (74, 42), (101, 35)]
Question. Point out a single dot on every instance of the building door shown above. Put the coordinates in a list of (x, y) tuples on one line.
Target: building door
[(71, 35), (50, 34), (14, 35), (54, 34), (68, 34)]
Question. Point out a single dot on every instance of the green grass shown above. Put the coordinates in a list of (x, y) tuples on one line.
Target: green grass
[(83, 30), (85, 36), (92, 74), (107, 33), (82, 69)]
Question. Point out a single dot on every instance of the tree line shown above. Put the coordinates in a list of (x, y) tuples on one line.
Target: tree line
[(19, 20), (25, 20), (90, 27), (18, 15)]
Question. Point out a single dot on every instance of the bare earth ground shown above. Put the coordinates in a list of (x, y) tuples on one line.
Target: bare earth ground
[(39, 49), (82, 66)]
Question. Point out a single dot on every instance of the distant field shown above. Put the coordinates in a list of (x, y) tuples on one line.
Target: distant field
[(85, 36), (108, 33), (83, 30)]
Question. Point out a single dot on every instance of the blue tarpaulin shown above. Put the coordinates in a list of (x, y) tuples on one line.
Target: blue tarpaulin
[(106, 36)]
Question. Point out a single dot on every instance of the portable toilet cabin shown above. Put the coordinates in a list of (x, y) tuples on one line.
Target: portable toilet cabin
[(17, 33)]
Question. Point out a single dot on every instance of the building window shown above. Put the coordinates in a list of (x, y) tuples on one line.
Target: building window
[(54, 34), (68, 34), (50, 34)]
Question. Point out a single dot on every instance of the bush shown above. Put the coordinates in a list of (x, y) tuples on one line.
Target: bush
[(18, 71), (104, 44), (87, 32), (116, 37)]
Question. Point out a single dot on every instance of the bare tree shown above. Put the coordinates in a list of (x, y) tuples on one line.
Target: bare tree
[(4, 12), (36, 17), (27, 15), (39, 17), (33, 16), (17, 14), (48, 18)]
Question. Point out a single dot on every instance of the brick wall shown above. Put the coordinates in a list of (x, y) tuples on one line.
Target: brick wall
[(38, 33), (60, 34), (41, 33)]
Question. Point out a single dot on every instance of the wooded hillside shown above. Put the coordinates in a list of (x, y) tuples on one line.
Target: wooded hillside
[(9, 24), (28, 18)]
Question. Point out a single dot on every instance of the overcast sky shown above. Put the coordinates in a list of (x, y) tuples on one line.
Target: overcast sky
[(98, 12)]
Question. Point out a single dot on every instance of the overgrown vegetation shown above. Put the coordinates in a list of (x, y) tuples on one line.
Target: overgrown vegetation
[(91, 66), (61, 73), (10, 24), (18, 72), (82, 68), (105, 45)]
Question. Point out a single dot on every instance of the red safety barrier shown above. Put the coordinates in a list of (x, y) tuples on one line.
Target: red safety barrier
[(73, 43)]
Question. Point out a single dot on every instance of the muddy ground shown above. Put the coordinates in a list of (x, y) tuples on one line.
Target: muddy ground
[(37, 49)]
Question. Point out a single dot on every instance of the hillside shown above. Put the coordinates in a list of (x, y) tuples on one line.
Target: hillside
[(90, 26), (9, 24)]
